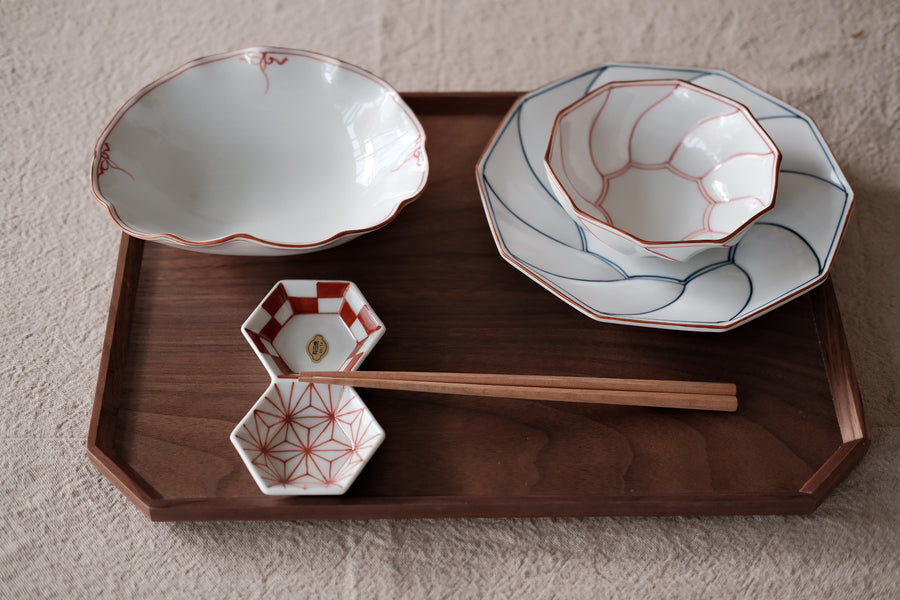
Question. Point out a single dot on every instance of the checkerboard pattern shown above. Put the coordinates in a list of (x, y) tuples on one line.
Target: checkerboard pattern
[(290, 298)]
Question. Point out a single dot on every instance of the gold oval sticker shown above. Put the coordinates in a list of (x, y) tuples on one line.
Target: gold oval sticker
[(317, 347)]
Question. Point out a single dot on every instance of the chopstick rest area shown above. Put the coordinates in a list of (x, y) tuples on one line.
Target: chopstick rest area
[(311, 433)]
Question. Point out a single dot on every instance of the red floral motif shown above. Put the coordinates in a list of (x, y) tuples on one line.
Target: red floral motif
[(310, 436), (418, 154), (105, 163), (262, 60)]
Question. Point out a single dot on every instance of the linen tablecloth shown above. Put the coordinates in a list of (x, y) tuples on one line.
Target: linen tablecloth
[(65, 531)]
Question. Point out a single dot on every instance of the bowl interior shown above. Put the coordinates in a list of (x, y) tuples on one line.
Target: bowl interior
[(663, 161), (304, 438), (283, 146), (305, 325)]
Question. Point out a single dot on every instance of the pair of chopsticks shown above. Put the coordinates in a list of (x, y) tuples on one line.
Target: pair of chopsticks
[(697, 395)]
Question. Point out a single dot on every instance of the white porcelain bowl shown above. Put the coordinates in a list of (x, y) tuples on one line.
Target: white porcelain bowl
[(260, 151), (661, 168)]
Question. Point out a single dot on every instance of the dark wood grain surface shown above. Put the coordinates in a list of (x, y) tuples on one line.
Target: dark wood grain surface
[(177, 376)]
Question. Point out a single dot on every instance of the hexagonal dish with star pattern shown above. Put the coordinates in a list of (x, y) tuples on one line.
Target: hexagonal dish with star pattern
[(306, 438)]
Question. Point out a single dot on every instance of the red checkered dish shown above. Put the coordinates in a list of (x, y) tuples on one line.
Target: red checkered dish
[(291, 299)]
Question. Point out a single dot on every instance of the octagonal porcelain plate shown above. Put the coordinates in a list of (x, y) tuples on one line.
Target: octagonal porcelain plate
[(785, 253)]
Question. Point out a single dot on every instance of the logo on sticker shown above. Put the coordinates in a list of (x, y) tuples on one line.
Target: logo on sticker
[(317, 347)]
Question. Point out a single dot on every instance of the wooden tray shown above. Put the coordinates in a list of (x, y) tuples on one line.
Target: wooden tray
[(176, 376)]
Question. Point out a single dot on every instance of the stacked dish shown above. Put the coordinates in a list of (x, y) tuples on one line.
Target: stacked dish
[(661, 168), (304, 438), (764, 258)]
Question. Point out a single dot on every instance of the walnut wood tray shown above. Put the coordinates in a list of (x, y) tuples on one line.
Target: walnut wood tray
[(176, 376)]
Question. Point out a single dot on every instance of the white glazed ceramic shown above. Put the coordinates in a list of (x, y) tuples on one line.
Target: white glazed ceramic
[(783, 254), (311, 325), (661, 168), (301, 438), (304, 438), (260, 151)]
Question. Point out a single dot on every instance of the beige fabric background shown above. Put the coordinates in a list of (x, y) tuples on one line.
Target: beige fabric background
[(65, 67)]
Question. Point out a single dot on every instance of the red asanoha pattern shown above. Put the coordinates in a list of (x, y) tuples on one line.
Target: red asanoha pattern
[(307, 436)]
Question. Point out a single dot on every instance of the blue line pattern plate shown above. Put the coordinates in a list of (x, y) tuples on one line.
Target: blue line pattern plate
[(784, 254)]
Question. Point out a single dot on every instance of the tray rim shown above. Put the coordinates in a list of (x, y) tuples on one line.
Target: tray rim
[(854, 429)]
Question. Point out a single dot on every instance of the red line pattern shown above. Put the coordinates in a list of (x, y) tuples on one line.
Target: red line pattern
[(262, 60), (309, 436), (105, 163), (418, 155), (705, 226)]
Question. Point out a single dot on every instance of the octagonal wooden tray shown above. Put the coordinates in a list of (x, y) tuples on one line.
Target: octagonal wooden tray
[(176, 376)]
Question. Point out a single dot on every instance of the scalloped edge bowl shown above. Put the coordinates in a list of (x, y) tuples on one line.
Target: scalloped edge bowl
[(260, 151)]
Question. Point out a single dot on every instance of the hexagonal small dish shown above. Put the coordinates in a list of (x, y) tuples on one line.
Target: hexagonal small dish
[(306, 438), (303, 438), (311, 325), (661, 168)]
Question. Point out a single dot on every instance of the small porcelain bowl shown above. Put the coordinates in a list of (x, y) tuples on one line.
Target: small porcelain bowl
[(311, 325), (262, 151), (306, 438), (661, 168)]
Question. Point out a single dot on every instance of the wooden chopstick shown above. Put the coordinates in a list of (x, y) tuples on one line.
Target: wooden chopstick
[(553, 388)]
